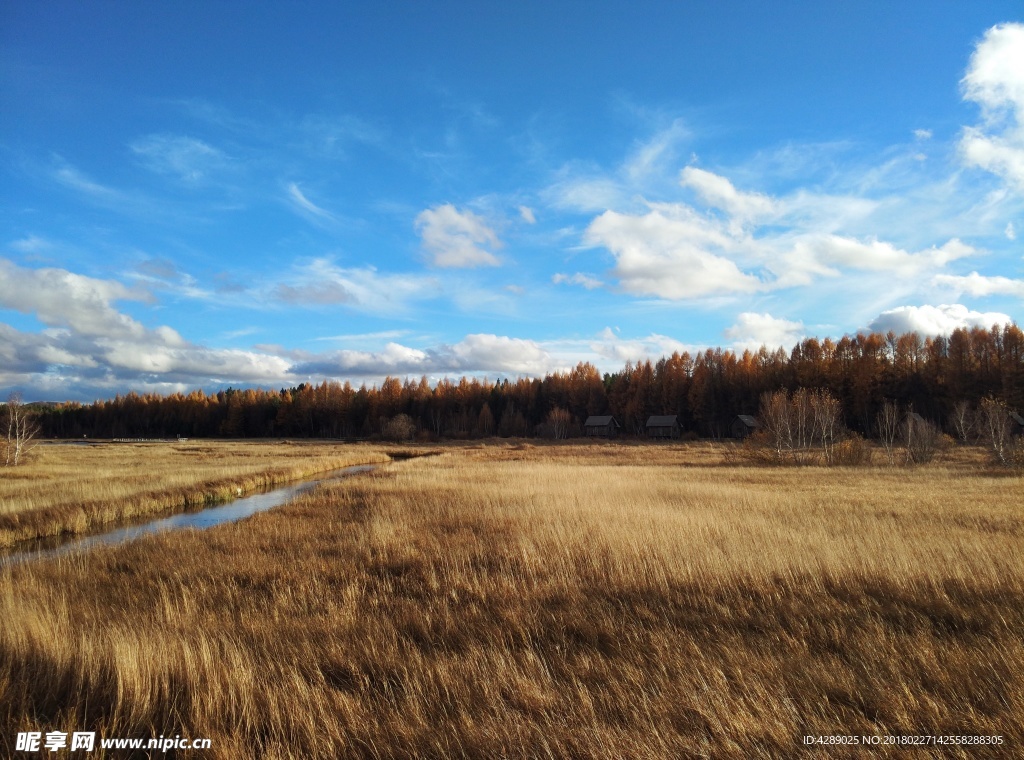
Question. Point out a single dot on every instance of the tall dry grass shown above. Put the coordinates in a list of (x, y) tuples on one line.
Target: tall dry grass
[(576, 601), (67, 488)]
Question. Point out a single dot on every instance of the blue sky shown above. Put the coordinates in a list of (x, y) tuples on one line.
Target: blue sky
[(212, 194)]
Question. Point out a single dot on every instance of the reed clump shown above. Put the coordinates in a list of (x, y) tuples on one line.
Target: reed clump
[(550, 601)]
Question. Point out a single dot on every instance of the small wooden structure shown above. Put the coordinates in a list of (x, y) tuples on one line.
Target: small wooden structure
[(743, 425), (1017, 424), (601, 426), (663, 426)]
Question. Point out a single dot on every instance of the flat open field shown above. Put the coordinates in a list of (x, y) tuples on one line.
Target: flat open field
[(71, 488), (551, 601)]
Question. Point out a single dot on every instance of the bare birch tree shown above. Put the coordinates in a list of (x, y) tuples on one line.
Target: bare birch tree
[(828, 422), (776, 422), (888, 423), (994, 420), (20, 431), (963, 419)]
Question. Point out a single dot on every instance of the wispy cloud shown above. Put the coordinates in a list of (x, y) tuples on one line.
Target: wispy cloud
[(304, 204), (185, 158), (322, 283), (582, 279), (72, 178)]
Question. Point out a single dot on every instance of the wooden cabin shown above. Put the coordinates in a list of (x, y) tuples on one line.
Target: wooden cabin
[(743, 425), (601, 426), (663, 426)]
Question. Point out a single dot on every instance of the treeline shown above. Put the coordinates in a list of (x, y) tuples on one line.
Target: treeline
[(706, 391)]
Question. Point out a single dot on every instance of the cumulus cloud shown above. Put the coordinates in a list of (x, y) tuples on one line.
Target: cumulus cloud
[(979, 285), (752, 331), (60, 298), (91, 344), (934, 320), (499, 353), (670, 252), (456, 238), (995, 81), (673, 251), (587, 281)]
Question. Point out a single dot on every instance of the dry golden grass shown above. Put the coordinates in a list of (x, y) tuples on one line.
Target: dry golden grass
[(556, 601), (66, 488)]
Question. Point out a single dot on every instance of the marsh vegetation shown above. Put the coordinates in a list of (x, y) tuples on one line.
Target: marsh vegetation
[(549, 601)]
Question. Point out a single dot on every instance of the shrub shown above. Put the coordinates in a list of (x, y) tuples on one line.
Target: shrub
[(852, 452), (400, 428)]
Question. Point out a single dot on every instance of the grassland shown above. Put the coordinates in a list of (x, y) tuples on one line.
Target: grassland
[(67, 488), (558, 601)]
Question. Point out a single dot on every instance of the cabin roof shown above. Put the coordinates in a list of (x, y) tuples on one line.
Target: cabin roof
[(747, 420), (600, 421), (662, 420)]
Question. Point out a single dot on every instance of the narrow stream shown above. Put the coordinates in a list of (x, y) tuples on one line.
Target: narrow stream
[(232, 511)]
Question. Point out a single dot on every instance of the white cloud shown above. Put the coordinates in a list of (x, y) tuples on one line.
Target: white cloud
[(72, 178), (478, 353), (527, 215), (824, 255), (995, 81), (185, 157), (60, 298), (667, 253), (300, 200), (923, 134), (502, 354), (587, 281), (651, 157), (752, 331), (457, 238), (322, 283), (30, 245), (608, 345), (1010, 231), (934, 320), (719, 192), (979, 285), (585, 194), (757, 243), (92, 345)]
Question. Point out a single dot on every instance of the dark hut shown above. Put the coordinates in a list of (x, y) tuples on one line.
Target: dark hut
[(601, 426), (663, 426)]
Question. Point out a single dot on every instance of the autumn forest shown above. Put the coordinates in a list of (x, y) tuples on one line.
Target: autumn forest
[(706, 391)]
